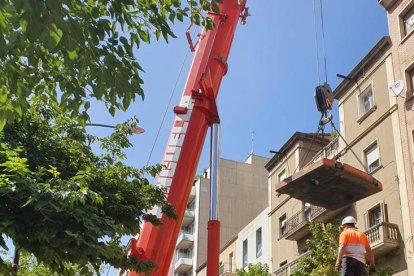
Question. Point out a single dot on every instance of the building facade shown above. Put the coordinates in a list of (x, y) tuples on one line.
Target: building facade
[(252, 243), (241, 196), (370, 141), (401, 29)]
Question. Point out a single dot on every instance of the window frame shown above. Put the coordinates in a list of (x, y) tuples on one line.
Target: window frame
[(259, 245), (403, 21), (245, 250), (363, 112), (281, 174), (231, 255), (409, 81), (365, 151), (369, 214), (283, 225)]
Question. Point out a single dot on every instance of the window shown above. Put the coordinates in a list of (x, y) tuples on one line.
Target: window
[(245, 253), (366, 101), (231, 262), (372, 157), (408, 21), (283, 225), (282, 176), (258, 242), (410, 81), (283, 263), (376, 215), (308, 211)]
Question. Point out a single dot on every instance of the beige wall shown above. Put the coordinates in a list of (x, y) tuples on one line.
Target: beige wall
[(403, 60), (282, 249), (242, 194), (377, 127)]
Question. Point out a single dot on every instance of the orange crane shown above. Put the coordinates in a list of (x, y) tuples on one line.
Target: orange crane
[(195, 113)]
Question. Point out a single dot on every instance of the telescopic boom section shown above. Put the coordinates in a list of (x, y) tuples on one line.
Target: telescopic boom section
[(196, 111)]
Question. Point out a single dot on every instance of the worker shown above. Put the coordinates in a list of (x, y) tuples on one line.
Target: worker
[(353, 245)]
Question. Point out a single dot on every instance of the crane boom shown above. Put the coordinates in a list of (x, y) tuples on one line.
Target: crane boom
[(196, 111)]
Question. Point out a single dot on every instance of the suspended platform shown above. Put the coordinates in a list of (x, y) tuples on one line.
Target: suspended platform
[(329, 184)]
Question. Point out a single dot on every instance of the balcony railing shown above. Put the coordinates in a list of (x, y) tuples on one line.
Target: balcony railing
[(185, 240), (189, 216), (288, 268), (227, 269), (326, 152), (183, 264), (383, 237), (296, 226)]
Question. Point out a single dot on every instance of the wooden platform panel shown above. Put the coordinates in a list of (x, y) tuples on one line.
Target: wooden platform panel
[(329, 184)]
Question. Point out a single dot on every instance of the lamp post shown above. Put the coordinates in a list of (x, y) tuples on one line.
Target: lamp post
[(136, 130)]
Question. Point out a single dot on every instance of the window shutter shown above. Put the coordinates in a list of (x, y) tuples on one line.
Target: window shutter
[(372, 155)]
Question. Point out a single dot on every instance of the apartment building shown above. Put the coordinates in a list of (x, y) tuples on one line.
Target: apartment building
[(401, 29), (370, 141), (241, 195), (250, 246), (288, 217)]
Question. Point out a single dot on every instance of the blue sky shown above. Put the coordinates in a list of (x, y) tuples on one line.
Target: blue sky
[(272, 75)]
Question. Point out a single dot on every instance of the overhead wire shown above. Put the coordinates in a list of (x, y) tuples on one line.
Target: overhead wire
[(168, 105)]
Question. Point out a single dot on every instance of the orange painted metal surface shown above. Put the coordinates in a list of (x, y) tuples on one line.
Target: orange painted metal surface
[(196, 111), (213, 248), (329, 184)]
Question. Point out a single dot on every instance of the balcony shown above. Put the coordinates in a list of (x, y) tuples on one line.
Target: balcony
[(288, 268), (329, 151), (387, 4), (183, 264), (185, 240), (192, 194), (297, 226), (227, 269), (189, 216), (383, 237)]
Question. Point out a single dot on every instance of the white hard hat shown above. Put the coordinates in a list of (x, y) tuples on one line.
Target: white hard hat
[(348, 219)]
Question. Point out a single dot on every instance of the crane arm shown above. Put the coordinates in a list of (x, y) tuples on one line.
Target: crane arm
[(196, 111)]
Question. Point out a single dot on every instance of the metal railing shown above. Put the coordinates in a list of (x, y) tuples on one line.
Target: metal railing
[(382, 232), (326, 152), (227, 269), (302, 218), (288, 268)]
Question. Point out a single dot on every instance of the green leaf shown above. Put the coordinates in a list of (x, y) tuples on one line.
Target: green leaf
[(72, 54)]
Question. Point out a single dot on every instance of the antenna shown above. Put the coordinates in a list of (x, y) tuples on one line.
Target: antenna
[(253, 138), (396, 88)]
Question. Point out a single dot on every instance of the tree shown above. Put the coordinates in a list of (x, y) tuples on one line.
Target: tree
[(65, 204), (68, 51), (258, 269), (29, 266), (322, 248)]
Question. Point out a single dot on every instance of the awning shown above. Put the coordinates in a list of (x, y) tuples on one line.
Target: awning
[(329, 184)]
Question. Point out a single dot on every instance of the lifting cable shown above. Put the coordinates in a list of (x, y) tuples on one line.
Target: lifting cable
[(168, 106), (319, 132), (316, 40)]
